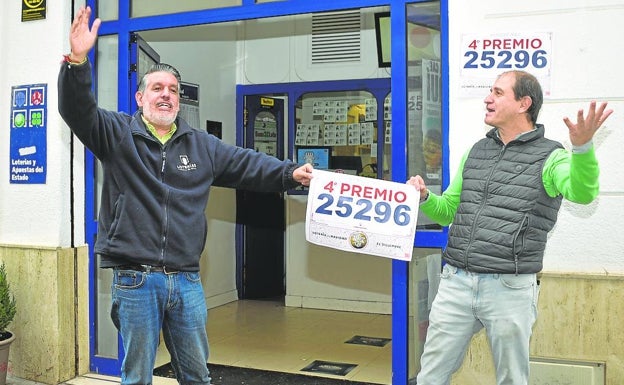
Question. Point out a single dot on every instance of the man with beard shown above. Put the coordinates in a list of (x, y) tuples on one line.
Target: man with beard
[(152, 227)]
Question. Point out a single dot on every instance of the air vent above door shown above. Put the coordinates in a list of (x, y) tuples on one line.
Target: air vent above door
[(336, 37)]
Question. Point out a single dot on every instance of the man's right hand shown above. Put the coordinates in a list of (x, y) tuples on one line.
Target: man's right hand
[(81, 37), (420, 186)]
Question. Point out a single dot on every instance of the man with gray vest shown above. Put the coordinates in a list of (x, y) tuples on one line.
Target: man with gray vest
[(502, 204)]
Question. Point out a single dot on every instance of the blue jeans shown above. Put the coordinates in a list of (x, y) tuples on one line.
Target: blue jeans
[(504, 304), (143, 304)]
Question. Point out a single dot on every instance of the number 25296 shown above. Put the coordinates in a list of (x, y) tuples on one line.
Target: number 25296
[(506, 59)]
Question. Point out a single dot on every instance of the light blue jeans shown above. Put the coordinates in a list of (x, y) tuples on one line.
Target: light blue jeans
[(504, 304), (142, 305)]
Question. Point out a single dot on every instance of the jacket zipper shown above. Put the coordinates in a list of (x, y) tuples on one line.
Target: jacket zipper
[(525, 220), (165, 210)]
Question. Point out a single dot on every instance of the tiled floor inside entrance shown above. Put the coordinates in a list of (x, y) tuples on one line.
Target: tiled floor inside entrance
[(267, 335)]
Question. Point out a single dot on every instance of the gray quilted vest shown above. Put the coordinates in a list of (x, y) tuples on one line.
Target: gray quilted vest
[(504, 214)]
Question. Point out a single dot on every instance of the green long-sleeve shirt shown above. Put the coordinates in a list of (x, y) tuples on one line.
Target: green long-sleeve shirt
[(574, 175)]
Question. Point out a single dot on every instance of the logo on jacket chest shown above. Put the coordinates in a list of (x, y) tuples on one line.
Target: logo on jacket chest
[(186, 164)]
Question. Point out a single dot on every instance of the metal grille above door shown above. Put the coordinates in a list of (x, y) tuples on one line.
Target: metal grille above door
[(336, 37)]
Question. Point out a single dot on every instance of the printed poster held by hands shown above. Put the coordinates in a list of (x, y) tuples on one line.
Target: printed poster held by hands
[(362, 215)]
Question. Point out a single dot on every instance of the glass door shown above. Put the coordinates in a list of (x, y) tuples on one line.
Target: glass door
[(106, 347), (105, 343)]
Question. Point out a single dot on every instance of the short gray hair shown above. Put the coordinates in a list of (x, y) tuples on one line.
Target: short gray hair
[(160, 67)]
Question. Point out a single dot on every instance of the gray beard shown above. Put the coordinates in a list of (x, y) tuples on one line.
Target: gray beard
[(157, 118)]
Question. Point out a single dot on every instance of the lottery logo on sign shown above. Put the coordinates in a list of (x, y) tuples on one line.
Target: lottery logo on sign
[(19, 98), (363, 215), (37, 98), (358, 240)]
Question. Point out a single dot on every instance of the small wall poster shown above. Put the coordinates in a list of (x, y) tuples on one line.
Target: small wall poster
[(28, 123)]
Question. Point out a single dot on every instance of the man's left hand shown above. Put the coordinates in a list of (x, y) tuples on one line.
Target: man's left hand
[(586, 126)]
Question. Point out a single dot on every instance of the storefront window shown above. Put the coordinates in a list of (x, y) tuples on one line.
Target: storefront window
[(424, 105), (141, 8), (424, 158), (107, 75), (108, 10), (346, 131), (337, 131)]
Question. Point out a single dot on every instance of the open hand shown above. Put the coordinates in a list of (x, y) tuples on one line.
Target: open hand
[(586, 126), (81, 37)]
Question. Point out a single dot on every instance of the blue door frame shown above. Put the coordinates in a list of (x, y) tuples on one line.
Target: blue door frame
[(124, 26)]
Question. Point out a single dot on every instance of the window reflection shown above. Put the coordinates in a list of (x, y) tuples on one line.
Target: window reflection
[(424, 106)]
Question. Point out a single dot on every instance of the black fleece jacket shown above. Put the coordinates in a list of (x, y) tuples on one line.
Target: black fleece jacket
[(154, 196)]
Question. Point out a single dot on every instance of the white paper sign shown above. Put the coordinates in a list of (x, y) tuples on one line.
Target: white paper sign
[(485, 56), (362, 215)]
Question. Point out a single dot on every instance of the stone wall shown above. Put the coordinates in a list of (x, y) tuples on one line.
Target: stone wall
[(580, 319), (51, 324)]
